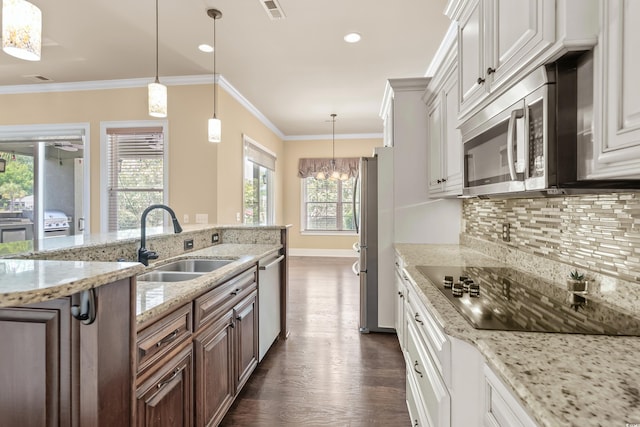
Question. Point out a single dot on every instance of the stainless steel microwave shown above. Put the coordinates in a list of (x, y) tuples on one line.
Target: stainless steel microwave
[(511, 145), (525, 141)]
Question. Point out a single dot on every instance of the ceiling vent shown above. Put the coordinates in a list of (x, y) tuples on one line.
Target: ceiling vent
[(273, 9)]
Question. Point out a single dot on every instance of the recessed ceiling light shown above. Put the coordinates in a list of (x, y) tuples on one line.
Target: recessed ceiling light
[(352, 38), (205, 48)]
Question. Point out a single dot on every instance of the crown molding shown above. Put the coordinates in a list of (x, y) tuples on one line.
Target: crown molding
[(329, 136), (443, 50)]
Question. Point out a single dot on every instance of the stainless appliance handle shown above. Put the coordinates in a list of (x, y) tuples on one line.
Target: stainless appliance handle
[(355, 210), (511, 136), (356, 268), (271, 264), (356, 247)]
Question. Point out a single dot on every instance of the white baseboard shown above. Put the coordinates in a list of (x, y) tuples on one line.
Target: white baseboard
[(341, 253)]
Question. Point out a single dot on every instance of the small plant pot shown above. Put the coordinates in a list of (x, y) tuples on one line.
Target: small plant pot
[(576, 285)]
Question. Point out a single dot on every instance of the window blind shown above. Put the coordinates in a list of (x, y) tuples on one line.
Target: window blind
[(259, 156), (135, 162)]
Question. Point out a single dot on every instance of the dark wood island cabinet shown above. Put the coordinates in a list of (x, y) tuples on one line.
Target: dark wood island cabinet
[(57, 371)]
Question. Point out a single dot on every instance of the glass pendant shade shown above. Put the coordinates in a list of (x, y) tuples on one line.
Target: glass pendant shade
[(215, 130), (21, 29), (157, 99)]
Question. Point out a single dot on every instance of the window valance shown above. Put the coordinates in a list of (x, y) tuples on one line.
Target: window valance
[(310, 168)]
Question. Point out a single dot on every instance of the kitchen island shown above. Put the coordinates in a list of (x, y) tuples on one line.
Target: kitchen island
[(559, 379), (86, 372)]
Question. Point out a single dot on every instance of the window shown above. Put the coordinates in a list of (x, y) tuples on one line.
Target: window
[(328, 205), (257, 190), (135, 168)]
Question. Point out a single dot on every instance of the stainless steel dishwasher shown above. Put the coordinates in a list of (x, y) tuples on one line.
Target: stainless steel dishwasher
[(269, 278)]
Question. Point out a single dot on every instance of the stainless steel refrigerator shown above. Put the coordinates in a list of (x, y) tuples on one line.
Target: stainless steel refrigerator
[(373, 201)]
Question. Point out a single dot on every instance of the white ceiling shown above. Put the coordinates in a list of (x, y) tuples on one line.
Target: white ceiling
[(295, 71)]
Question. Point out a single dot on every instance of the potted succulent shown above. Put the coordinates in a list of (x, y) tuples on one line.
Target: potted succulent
[(576, 282)]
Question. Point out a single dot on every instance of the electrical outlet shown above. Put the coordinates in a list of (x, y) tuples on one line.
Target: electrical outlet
[(238, 216), (215, 238), (506, 232), (188, 244), (185, 219)]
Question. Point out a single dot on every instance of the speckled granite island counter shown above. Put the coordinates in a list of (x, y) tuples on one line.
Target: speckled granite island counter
[(561, 379), (30, 281)]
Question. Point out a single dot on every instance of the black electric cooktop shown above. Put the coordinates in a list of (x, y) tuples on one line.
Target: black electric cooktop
[(507, 299)]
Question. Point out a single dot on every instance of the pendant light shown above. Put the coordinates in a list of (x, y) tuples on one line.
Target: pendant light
[(214, 125), (157, 91), (21, 29)]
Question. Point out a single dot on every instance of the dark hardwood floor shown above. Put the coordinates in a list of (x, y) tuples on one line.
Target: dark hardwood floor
[(326, 373)]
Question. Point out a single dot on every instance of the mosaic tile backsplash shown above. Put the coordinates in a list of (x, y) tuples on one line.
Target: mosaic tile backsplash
[(600, 233)]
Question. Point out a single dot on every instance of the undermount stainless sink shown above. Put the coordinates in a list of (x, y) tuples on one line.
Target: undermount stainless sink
[(167, 276), (184, 269), (195, 265)]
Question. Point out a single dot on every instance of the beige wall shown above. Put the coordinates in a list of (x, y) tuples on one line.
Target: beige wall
[(294, 150), (203, 177)]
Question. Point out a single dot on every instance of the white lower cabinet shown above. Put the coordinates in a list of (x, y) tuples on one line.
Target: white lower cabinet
[(501, 408), (432, 394), (448, 381)]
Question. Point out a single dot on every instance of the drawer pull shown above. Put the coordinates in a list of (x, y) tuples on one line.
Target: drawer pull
[(418, 320), (405, 277), (172, 336), (173, 376), (416, 424), (415, 368), (400, 294), (236, 292)]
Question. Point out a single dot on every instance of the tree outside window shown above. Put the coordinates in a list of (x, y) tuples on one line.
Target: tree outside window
[(328, 205)]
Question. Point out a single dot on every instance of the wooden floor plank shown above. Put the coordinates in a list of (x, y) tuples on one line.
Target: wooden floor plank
[(326, 373)]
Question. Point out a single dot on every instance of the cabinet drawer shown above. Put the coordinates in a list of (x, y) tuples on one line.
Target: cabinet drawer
[(415, 413), (434, 396), (168, 393), (162, 336), (220, 299), (436, 341)]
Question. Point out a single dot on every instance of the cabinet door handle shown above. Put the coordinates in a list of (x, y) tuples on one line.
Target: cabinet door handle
[(439, 181), (480, 80), (490, 70), (173, 376), (416, 424), (86, 310), (418, 320), (415, 368), (172, 336), (444, 179)]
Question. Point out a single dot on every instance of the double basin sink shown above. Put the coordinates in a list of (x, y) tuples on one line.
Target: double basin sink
[(184, 269)]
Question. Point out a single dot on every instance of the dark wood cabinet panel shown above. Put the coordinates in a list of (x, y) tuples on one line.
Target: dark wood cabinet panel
[(36, 365), (214, 367), (246, 330), (166, 398), (56, 371)]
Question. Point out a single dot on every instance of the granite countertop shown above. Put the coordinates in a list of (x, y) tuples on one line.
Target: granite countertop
[(156, 298), (30, 281), (561, 379)]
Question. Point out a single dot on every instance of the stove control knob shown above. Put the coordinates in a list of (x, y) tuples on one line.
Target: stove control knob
[(448, 282), (457, 290), (474, 290), (465, 285)]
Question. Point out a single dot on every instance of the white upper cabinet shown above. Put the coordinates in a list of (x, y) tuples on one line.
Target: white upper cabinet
[(470, 55), (613, 151), (497, 38), (500, 41), (445, 141)]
